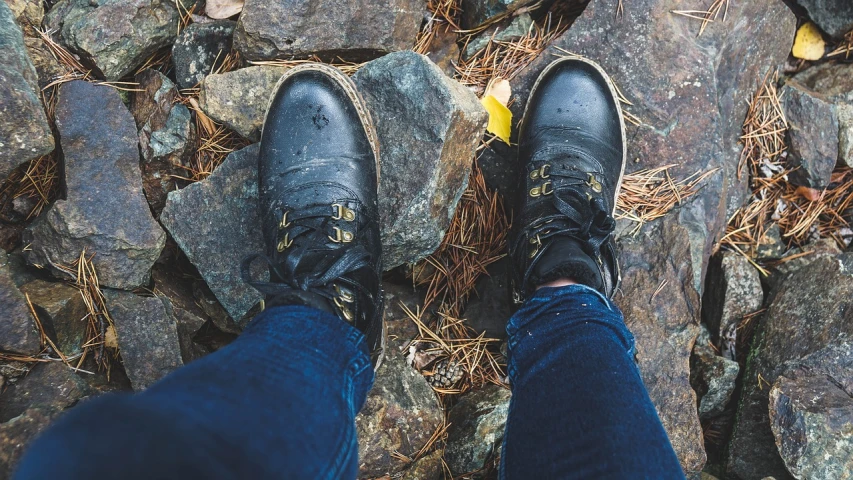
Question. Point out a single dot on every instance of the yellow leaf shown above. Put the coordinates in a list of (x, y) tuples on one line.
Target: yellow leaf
[(500, 118), (808, 44)]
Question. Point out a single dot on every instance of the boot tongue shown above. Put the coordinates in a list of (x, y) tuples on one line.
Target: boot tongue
[(566, 258)]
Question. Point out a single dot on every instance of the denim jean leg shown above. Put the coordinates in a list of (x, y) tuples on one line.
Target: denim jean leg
[(579, 408), (278, 402)]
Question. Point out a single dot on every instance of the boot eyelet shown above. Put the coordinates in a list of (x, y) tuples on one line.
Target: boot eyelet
[(536, 242), (284, 243), (342, 212), (341, 236), (345, 295), (547, 188), (284, 223), (594, 184), (541, 173), (347, 313), (536, 191)]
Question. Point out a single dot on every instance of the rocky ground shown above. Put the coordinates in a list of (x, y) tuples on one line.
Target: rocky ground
[(128, 133)]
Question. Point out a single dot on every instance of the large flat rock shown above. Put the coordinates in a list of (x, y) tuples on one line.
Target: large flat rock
[(216, 224), (24, 131), (665, 324), (691, 94), (104, 211), (284, 29)]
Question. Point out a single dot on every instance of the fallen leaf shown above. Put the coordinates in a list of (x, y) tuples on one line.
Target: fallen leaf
[(500, 118), (220, 9), (500, 89), (838, 176), (421, 355), (810, 194), (808, 44), (110, 337)]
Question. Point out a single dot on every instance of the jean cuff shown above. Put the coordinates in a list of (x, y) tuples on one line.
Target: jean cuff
[(551, 293)]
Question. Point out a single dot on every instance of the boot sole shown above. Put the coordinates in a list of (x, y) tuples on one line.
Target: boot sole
[(615, 95), (349, 87)]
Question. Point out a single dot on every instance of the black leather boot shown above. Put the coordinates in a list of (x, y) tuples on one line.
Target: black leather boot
[(572, 155), (318, 176)]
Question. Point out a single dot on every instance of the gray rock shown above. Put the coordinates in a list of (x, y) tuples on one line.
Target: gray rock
[(104, 211), (17, 433), (825, 247), (713, 377), (239, 99), (200, 49), (46, 65), (18, 331), (51, 385), (28, 13), (187, 324), (180, 304), (809, 310), (147, 337), (429, 126), (669, 73), (733, 291), (216, 224), (811, 414), (517, 28), (24, 131), (429, 467), (63, 312), (401, 411), (213, 309), (270, 30), (834, 81), (812, 136), (835, 17), (116, 35), (166, 136), (665, 326), (478, 12), (772, 245), (444, 51), (476, 428)]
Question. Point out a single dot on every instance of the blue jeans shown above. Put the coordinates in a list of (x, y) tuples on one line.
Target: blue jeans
[(280, 402)]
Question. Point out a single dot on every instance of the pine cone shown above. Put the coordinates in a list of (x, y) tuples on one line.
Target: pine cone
[(446, 374)]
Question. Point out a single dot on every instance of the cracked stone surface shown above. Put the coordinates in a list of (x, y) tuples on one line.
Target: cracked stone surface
[(104, 211), (813, 305), (24, 131), (299, 28), (429, 127), (116, 35)]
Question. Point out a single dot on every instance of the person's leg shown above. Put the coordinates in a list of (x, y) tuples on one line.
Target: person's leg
[(579, 408), (278, 402)]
